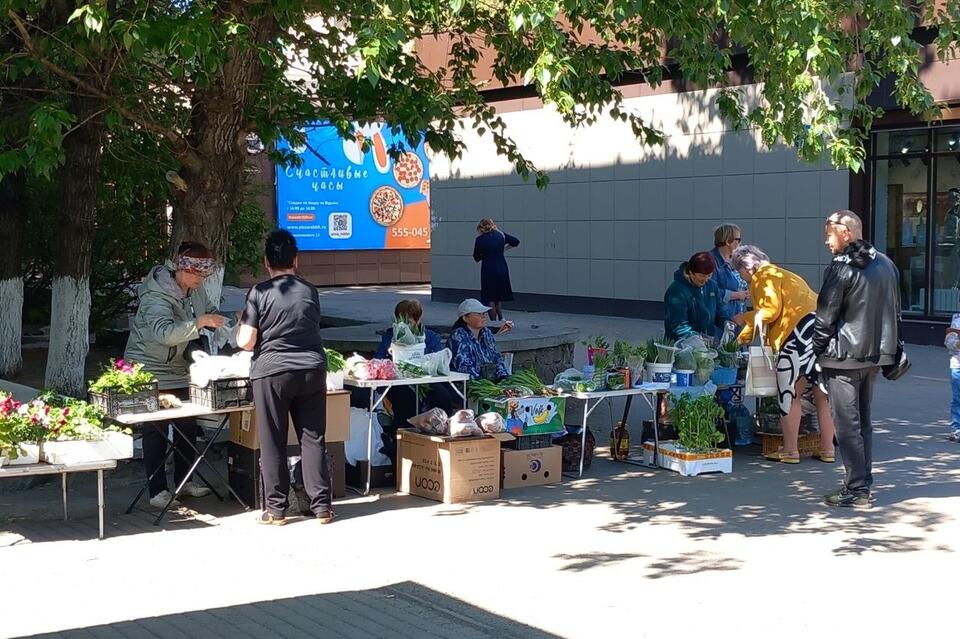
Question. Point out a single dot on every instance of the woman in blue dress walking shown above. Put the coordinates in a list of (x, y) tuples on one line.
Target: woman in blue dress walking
[(488, 249)]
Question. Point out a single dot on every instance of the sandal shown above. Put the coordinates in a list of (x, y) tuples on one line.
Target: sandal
[(784, 458), (826, 457)]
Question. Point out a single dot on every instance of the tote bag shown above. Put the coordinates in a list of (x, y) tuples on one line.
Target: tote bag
[(761, 372)]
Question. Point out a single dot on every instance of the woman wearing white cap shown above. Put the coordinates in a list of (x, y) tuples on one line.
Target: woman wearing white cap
[(473, 345)]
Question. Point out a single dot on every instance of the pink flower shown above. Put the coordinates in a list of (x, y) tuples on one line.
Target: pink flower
[(119, 364)]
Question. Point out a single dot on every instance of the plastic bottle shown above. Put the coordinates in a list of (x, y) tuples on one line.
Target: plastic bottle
[(619, 442), (742, 422)]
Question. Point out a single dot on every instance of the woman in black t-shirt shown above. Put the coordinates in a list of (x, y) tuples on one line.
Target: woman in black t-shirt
[(281, 325)]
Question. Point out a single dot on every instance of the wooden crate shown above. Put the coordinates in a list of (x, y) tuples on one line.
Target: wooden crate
[(808, 445)]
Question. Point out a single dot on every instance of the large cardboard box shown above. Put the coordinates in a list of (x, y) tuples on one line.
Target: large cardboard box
[(448, 469), (528, 415), (243, 425), (535, 467)]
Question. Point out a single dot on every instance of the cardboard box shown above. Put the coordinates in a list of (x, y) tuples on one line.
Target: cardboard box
[(528, 415), (448, 469), (536, 467), (243, 472), (689, 464), (243, 425)]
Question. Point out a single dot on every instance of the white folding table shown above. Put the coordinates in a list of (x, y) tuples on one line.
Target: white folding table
[(188, 409), (30, 470), (647, 391), (386, 384)]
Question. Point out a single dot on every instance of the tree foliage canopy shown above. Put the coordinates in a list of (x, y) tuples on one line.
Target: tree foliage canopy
[(178, 66)]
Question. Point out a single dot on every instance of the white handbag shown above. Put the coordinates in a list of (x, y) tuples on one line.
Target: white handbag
[(761, 372)]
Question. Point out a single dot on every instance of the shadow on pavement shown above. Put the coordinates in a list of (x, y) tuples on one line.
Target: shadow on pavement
[(405, 609)]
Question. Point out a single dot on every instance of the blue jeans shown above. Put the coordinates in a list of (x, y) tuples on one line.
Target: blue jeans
[(955, 401)]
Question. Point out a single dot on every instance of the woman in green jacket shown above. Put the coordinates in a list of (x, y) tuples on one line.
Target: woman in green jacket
[(693, 303), (173, 308)]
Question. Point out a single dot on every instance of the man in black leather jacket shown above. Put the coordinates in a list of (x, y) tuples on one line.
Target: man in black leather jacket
[(855, 334)]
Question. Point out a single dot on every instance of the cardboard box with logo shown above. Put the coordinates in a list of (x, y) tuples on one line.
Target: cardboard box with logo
[(243, 425), (448, 469), (535, 467)]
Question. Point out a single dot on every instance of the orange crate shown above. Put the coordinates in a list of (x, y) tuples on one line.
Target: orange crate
[(809, 445)]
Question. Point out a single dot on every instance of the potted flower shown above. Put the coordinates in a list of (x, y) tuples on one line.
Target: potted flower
[(77, 433), (696, 452), (124, 387), (11, 430), (25, 426)]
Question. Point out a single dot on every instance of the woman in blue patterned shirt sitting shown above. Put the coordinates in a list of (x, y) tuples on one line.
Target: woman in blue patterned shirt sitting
[(473, 345)]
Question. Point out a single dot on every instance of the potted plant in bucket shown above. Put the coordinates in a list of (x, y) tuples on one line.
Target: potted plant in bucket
[(706, 362), (620, 377), (660, 352), (684, 366), (695, 452), (595, 345), (602, 362), (728, 357)]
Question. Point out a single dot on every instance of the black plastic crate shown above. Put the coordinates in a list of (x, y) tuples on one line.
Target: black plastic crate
[(530, 442), (223, 393), (116, 403)]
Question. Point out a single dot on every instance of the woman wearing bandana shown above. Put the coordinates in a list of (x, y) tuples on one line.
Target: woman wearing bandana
[(173, 308)]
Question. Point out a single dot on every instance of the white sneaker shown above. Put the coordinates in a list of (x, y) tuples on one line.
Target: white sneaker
[(160, 500), (191, 489)]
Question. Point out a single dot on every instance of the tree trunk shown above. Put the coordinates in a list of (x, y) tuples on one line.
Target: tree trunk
[(13, 215), (213, 166), (70, 304)]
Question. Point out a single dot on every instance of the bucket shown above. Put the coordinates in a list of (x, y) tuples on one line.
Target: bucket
[(659, 373), (724, 376), (412, 354), (684, 378)]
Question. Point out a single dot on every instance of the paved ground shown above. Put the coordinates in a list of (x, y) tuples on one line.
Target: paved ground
[(645, 553)]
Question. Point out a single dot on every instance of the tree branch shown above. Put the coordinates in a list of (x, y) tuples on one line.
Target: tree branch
[(181, 148)]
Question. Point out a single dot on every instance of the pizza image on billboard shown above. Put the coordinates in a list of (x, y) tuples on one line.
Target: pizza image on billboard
[(408, 170), (386, 206)]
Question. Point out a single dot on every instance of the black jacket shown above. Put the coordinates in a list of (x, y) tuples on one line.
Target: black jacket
[(858, 310)]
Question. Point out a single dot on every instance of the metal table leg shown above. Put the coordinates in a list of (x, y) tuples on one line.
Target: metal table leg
[(100, 499), (374, 404), (202, 457), (587, 409), (63, 481)]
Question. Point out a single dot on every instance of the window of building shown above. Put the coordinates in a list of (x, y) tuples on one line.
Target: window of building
[(916, 214)]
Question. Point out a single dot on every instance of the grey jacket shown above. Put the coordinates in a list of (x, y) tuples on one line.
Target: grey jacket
[(163, 326)]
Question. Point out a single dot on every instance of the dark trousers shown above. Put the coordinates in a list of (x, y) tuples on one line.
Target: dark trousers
[(851, 392), (302, 397), (154, 439)]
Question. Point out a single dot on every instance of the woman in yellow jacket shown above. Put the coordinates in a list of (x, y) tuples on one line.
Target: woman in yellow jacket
[(784, 306)]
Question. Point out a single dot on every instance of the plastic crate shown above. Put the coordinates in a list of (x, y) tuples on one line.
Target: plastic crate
[(116, 403), (530, 442), (808, 445), (223, 393)]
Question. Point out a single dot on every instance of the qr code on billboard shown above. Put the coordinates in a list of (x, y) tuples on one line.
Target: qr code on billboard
[(340, 225)]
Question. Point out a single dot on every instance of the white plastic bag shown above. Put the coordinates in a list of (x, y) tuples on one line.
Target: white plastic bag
[(207, 367), (437, 364), (761, 371), (355, 448), (463, 424), (432, 422), (492, 423)]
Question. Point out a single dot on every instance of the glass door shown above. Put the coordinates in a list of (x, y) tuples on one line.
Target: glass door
[(946, 212), (901, 179)]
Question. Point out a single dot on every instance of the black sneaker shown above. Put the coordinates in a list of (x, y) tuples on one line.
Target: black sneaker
[(845, 499), (955, 436)]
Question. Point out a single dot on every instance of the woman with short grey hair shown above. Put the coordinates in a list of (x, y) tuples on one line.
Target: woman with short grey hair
[(748, 257), (784, 309), (726, 239)]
